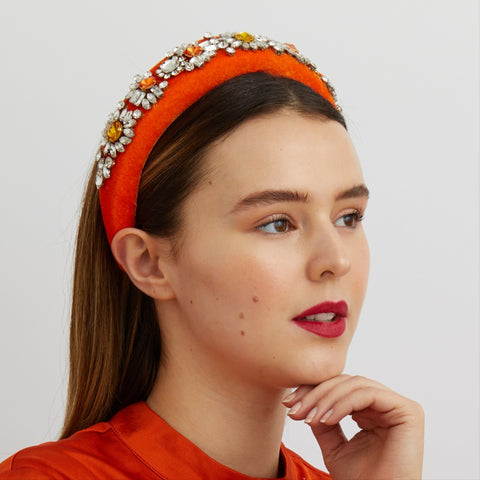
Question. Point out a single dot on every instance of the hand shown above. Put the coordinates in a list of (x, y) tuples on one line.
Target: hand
[(390, 443)]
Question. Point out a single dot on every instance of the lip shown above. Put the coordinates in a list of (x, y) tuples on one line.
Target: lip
[(330, 329)]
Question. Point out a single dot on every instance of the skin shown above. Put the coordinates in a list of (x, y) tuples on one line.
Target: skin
[(249, 262)]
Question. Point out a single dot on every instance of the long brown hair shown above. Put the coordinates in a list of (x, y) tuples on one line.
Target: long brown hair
[(115, 342)]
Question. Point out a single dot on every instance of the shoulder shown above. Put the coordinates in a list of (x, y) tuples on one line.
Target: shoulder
[(297, 467), (86, 454)]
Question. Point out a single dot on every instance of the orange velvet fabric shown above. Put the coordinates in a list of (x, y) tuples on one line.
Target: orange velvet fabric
[(135, 444), (119, 194)]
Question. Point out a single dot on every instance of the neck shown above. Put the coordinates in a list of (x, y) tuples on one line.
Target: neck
[(238, 425)]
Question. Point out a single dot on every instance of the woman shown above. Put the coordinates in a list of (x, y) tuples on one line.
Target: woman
[(221, 262)]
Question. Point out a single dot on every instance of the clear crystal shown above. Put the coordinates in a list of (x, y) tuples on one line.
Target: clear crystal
[(106, 172), (125, 140), (137, 79), (128, 132), (158, 92), (198, 61), (169, 65), (189, 67), (137, 114), (236, 43), (109, 162), (146, 104), (151, 98), (163, 85), (137, 97), (112, 152), (119, 146), (230, 50), (98, 156), (278, 46), (100, 164), (222, 44), (98, 181)]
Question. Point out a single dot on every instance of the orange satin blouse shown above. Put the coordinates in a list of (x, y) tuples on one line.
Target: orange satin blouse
[(135, 444)]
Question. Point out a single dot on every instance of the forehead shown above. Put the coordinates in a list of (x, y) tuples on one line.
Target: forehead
[(284, 150)]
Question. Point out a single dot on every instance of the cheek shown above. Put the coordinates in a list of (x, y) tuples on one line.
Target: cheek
[(237, 279)]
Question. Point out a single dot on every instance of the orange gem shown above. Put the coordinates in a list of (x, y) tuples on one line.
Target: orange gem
[(147, 83), (193, 51), (114, 131), (291, 46), (245, 37)]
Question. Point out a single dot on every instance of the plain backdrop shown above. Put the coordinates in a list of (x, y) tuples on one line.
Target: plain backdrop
[(407, 76)]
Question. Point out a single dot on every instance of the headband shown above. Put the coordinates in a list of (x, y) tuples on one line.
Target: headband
[(158, 97)]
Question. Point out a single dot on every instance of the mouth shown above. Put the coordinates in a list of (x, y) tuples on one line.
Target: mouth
[(319, 317), (327, 319)]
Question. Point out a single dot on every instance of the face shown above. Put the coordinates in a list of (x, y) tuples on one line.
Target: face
[(273, 231)]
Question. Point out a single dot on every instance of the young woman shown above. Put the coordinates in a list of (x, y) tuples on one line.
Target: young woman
[(221, 262)]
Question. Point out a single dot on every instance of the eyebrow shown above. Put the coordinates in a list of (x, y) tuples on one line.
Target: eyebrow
[(355, 192), (268, 197)]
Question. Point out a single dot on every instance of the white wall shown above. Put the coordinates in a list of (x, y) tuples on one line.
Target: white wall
[(407, 77)]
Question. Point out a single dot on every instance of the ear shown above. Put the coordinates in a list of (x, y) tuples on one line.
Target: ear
[(145, 259)]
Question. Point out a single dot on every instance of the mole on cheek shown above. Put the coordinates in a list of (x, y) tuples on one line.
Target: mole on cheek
[(255, 299), (241, 315), (242, 332)]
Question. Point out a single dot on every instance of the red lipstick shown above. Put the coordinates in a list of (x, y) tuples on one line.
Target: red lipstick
[(327, 319)]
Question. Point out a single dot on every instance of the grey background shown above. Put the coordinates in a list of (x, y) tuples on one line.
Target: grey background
[(407, 77)]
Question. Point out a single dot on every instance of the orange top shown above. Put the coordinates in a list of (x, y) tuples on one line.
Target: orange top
[(135, 444)]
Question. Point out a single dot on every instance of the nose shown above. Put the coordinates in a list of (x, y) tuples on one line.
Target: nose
[(329, 257)]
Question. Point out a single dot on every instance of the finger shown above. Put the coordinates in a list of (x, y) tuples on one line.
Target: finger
[(296, 395), (307, 397), (370, 407), (340, 390)]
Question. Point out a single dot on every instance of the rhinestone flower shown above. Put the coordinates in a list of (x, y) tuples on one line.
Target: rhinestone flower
[(118, 133), (145, 91)]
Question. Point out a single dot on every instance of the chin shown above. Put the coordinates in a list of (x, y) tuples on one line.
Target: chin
[(317, 372)]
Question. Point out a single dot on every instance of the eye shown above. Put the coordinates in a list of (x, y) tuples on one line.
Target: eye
[(349, 220), (280, 224)]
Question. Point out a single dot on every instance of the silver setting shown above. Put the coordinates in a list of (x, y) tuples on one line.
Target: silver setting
[(141, 98)]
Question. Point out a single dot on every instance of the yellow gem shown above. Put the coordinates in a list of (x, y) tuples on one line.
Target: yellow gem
[(114, 131), (245, 37), (146, 84)]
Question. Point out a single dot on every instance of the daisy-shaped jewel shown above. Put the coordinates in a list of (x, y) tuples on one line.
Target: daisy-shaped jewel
[(118, 131), (145, 91)]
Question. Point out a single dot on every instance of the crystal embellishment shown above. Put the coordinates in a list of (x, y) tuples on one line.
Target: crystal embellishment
[(148, 89)]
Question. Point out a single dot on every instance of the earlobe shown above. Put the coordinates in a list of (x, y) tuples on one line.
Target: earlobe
[(144, 258)]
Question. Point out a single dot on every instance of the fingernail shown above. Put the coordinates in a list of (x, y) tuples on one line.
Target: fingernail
[(311, 415), (295, 408), (289, 397), (325, 417)]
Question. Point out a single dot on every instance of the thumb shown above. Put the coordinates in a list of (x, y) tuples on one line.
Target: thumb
[(330, 438)]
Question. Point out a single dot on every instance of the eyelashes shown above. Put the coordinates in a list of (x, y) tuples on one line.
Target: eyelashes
[(280, 223)]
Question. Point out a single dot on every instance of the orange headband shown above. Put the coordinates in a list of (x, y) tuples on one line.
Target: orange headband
[(157, 98)]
